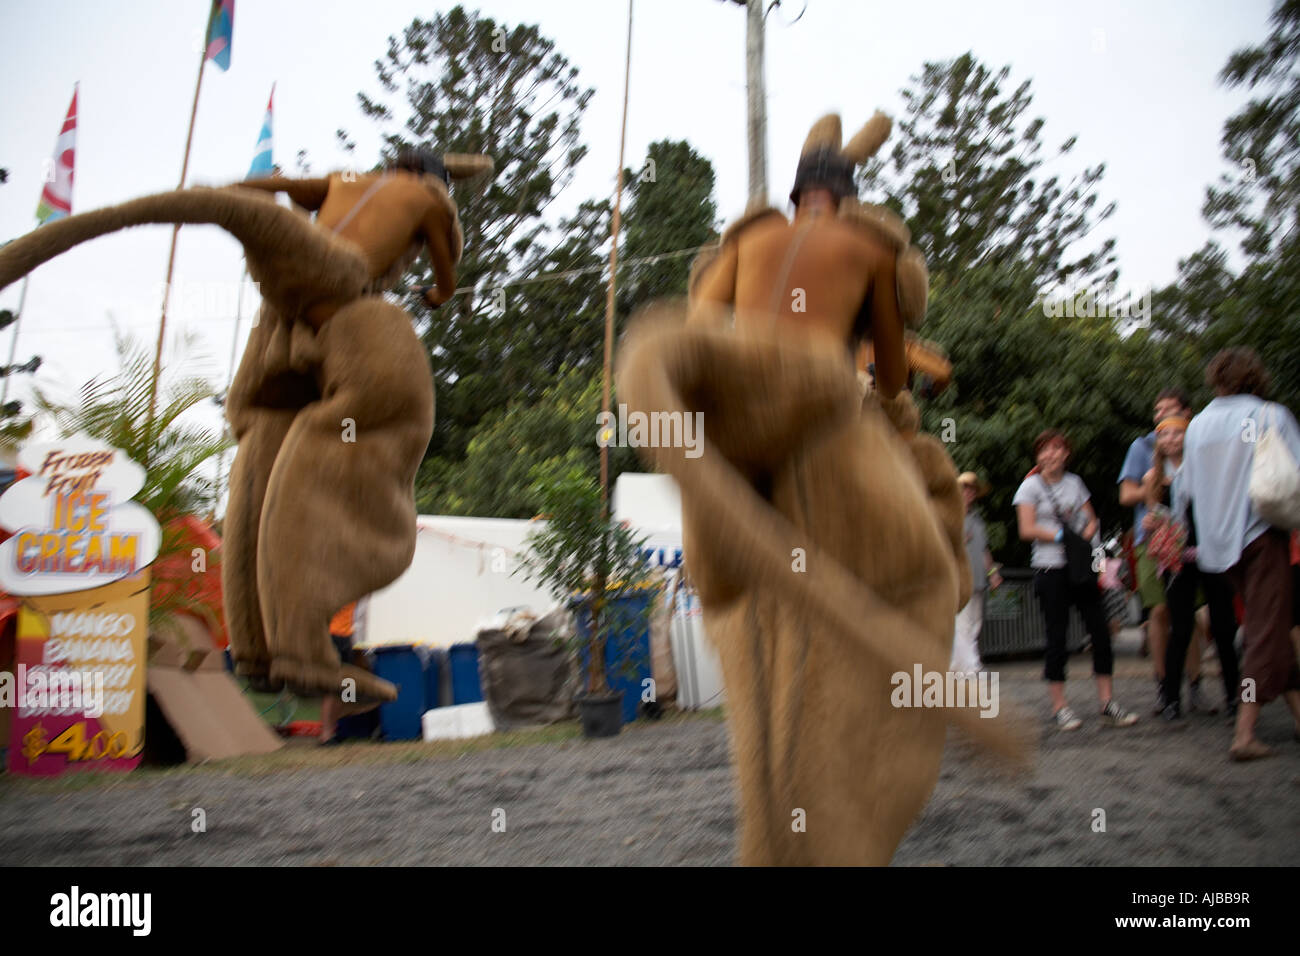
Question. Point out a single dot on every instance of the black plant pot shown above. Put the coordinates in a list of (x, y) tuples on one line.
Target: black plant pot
[(602, 714)]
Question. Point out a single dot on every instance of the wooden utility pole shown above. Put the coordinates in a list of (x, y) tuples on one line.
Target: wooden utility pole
[(757, 107)]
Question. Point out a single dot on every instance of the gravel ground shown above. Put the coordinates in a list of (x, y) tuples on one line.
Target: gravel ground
[(660, 794)]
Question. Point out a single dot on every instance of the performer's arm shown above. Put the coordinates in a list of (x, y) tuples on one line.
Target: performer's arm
[(307, 193), (716, 287), (887, 332), (437, 230)]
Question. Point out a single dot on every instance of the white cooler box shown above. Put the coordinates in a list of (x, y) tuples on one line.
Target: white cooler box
[(461, 720)]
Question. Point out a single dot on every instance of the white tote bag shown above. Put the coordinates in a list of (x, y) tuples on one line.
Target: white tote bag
[(1275, 479)]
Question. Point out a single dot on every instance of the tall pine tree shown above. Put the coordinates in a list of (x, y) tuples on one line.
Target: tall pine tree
[(466, 83)]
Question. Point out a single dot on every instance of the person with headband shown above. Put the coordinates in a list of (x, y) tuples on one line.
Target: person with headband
[(1150, 587)]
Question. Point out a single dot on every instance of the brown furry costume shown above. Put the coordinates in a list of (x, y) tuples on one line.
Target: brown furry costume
[(332, 405), (824, 533)]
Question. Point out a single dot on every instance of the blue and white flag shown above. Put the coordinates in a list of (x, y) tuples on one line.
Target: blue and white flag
[(262, 165)]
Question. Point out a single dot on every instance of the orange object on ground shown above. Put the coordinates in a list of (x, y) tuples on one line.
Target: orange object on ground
[(178, 571), (301, 728), (342, 623)]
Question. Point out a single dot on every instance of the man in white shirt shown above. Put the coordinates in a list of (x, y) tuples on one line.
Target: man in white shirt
[(1218, 454)]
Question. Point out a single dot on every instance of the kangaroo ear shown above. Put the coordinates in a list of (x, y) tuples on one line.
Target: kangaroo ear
[(467, 165), (868, 139), (825, 134)]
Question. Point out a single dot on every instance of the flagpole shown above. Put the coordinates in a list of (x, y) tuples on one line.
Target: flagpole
[(13, 343), (171, 256), (230, 378)]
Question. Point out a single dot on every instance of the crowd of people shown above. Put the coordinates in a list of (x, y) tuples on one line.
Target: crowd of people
[(1207, 567)]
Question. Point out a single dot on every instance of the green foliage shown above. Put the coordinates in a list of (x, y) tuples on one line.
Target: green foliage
[(517, 450), (965, 172), (580, 553), (1261, 193), (172, 452), (1019, 372), (1211, 307), (672, 211), (472, 85)]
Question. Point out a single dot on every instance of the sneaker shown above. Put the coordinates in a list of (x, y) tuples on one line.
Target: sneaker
[(1197, 701), (1117, 716), (1173, 716), (1161, 703), (1065, 719)]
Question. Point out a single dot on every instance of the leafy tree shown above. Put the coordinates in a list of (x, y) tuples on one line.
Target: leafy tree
[(519, 450), (670, 209), (967, 175), (1019, 371), (472, 85), (552, 350), (1261, 194), (999, 227), (1210, 307)]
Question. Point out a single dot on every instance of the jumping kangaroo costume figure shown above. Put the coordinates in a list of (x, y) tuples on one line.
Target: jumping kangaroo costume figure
[(332, 405), (823, 532)]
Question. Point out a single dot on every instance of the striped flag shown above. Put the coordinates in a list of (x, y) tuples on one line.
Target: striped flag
[(262, 165), (221, 31), (56, 197)]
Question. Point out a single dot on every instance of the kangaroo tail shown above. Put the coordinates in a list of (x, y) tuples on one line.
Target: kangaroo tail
[(296, 263)]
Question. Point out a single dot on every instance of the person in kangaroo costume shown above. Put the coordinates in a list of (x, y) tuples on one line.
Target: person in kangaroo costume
[(823, 531), (332, 405)]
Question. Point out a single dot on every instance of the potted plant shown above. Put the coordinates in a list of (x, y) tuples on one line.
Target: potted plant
[(598, 567)]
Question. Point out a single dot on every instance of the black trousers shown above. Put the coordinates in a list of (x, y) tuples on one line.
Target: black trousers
[(1056, 594), (1180, 595)]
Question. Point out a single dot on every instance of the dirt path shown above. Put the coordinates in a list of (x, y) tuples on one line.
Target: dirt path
[(661, 794)]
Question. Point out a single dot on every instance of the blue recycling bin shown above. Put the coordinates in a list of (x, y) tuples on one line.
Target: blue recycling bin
[(465, 686), (627, 651), (403, 665)]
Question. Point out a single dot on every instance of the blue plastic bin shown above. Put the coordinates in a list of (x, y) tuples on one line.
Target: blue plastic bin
[(465, 686), (403, 665), (627, 652)]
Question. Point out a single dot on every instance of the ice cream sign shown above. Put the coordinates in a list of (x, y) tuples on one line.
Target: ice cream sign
[(74, 524)]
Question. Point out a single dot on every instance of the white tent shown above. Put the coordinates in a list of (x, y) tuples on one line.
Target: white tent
[(464, 572)]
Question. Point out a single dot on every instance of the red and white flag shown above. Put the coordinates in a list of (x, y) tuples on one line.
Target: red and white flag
[(56, 197)]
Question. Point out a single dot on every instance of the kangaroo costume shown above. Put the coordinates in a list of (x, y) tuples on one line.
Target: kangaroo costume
[(332, 405), (823, 532)]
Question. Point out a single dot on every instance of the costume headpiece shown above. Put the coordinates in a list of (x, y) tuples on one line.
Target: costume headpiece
[(446, 166), (823, 163)]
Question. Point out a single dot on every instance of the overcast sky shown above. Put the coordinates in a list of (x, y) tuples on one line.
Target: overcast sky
[(1135, 80)]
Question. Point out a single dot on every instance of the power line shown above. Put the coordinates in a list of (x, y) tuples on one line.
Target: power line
[(509, 283)]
